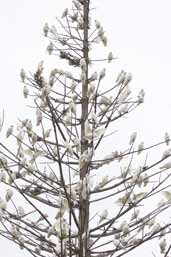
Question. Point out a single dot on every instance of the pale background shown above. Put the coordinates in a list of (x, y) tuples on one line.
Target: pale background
[(139, 34)]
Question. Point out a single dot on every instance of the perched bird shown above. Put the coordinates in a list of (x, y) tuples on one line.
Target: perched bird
[(162, 245), (132, 138), (140, 147), (9, 131), (102, 74), (166, 166), (46, 29), (9, 194), (166, 138), (127, 79), (103, 215), (121, 77), (65, 13), (22, 75), (25, 91), (47, 133), (110, 57), (93, 76)]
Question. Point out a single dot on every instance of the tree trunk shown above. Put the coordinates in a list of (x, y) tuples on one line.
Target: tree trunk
[(84, 204)]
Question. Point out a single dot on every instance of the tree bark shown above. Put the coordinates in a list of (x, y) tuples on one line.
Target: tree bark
[(84, 204)]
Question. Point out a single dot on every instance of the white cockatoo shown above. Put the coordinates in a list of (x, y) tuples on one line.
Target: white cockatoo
[(65, 13), (123, 108), (91, 90), (121, 77), (46, 29), (47, 133), (93, 76), (3, 204), (103, 215), (25, 91), (166, 138), (50, 49), (22, 75), (140, 147), (83, 64), (8, 195), (9, 131), (133, 138), (2, 176), (127, 79), (105, 100), (72, 107), (162, 245), (3, 161), (110, 57), (166, 153), (68, 147), (166, 166), (102, 74)]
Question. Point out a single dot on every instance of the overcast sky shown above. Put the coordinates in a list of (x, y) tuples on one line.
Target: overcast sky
[(139, 34)]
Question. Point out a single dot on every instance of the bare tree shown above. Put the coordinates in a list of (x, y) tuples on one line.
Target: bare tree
[(63, 195)]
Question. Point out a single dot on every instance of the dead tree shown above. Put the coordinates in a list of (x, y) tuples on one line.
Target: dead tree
[(64, 192)]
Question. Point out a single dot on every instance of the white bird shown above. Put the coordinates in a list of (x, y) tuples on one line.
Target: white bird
[(72, 107), (68, 148), (166, 153), (141, 96), (9, 131), (99, 132), (2, 176), (3, 162), (110, 57), (9, 194), (39, 117), (105, 100), (83, 64), (68, 118), (166, 138), (77, 5), (125, 229), (22, 75), (88, 130), (25, 91), (65, 13), (97, 23), (47, 133), (91, 89), (156, 228), (140, 147), (84, 189), (127, 79), (104, 39), (51, 231), (166, 166), (133, 138), (121, 77), (102, 74), (50, 48), (94, 117), (77, 144), (3, 204), (103, 215), (37, 249), (93, 76), (73, 86), (123, 108), (46, 29), (162, 245)]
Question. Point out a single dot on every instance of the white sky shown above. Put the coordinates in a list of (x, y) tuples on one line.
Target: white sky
[(139, 34)]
